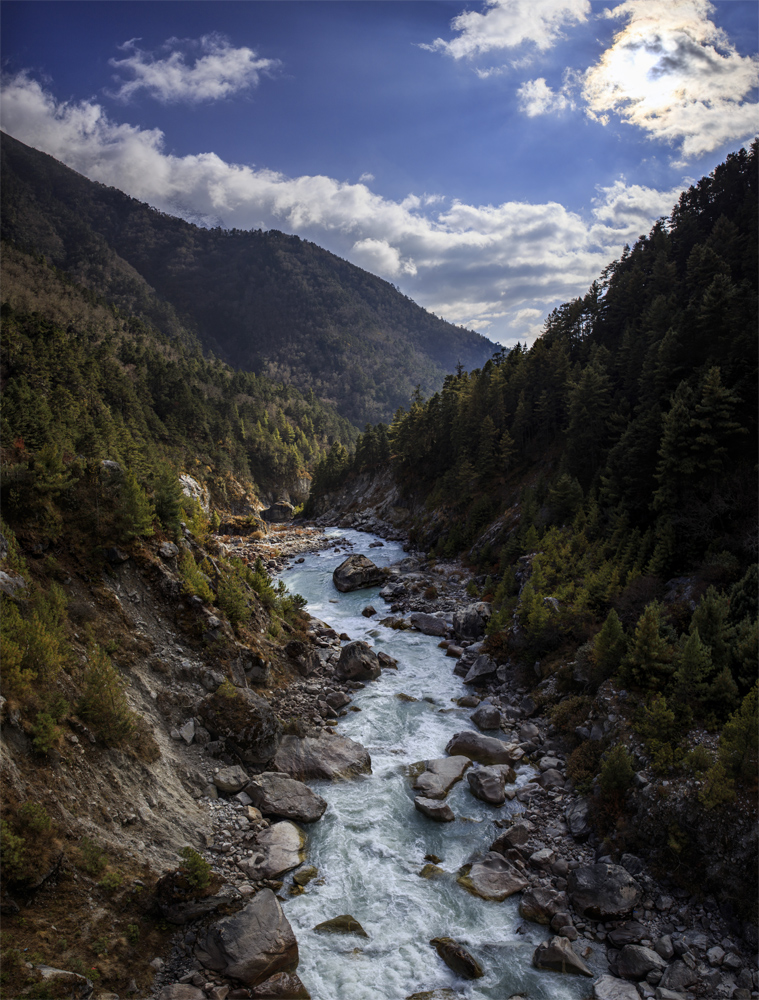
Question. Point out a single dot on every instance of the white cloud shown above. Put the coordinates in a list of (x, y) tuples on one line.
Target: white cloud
[(218, 71), (672, 72), (366, 178), (508, 24), (537, 98), (496, 268)]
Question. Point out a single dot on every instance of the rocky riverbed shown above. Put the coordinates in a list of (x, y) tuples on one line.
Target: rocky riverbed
[(647, 937)]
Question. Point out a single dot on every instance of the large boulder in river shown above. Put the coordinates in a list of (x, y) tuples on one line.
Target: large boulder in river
[(281, 795), (358, 662), (457, 958), (470, 622), (486, 716), (283, 846), (434, 809), (603, 891), (483, 749), (323, 756), (488, 784), (556, 955), (440, 775), (356, 573), (482, 670), (494, 877), (243, 718), (428, 624), (251, 945)]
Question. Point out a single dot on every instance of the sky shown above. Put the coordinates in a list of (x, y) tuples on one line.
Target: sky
[(487, 158)]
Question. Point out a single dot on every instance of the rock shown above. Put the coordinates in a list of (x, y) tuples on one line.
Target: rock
[(515, 836), (611, 988), (663, 946), (251, 945), (483, 749), (578, 819), (434, 809), (245, 718), (556, 955), (678, 976), (541, 905), (283, 846), (487, 717), (428, 624), (187, 732), (528, 732), (551, 779), (279, 512), (664, 994), (543, 859), (629, 932), (440, 775), (71, 984), (168, 550), (231, 779), (281, 795), (356, 573), (470, 622), (482, 670), (387, 662), (441, 994), (9, 583), (181, 991), (358, 662), (492, 878), (344, 924), (116, 556), (323, 756), (368, 611), (338, 700), (635, 962), (603, 891), (282, 986), (488, 784), (457, 958)]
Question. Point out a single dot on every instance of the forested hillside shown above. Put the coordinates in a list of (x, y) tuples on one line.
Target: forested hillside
[(263, 301)]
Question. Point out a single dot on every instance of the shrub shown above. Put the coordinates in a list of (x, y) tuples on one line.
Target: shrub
[(658, 726), (195, 582), (583, 763), (111, 881), (698, 761), (12, 853), (195, 868), (616, 772), (739, 742), (233, 600), (570, 713), (609, 647), (93, 859), (34, 819), (103, 702), (45, 732)]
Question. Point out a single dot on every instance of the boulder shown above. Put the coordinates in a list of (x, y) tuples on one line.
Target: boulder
[(387, 662), (457, 958), (610, 988), (629, 932), (434, 809), (578, 819), (358, 662), (678, 976), (492, 878), (251, 945), (282, 986), (469, 622), (231, 779), (515, 836), (551, 779), (428, 624), (556, 955), (344, 924), (635, 962), (356, 573), (541, 905), (244, 718), (483, 749), (323, 756), (487, 717), (603, 891), (181, 991), (488, 784), (482, 670), (283, 846), (281, 795), (440, 776)]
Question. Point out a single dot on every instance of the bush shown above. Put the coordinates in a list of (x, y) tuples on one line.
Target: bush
[(111, 881), (103, 703), (93, 859), (616, 772), (45, 732), (12, 853), (233, 599), (195, 582), (570, 713), (660, 730), (195, 868), (583, 763)]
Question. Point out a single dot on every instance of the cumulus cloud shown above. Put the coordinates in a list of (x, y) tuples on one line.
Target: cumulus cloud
[(508, 24), (217, 70), (672, 72), (537, 98), (496, 268)]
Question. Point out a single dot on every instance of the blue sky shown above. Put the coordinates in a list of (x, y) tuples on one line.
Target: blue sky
[(487, 158)]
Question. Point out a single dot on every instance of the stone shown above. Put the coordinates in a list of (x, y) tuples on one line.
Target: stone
[(305, 875), (469, 622), (10, 583), (338, 700), (664, 994), (251, 945), (181, 991), (245, 718), (611, 988), (358, 572), (578, 819), (434, 809), (168, 550), (283, 846), (483, 749), (541, 905), (551, 779), (663, 946), (603, 891), (457, 958), (635, 962), (282, 986), (678, 976), (440, 775), (543, 859), (488, 784), (323, 756), (487, 717), (368, 611), (387, 662), (428, 624), (280, 795), (67, 983), (482, 670), (715, 955), (557, 955), (492, 878), (344, 924), (231, 779), (628, 932), (514, 836), (358, 662)]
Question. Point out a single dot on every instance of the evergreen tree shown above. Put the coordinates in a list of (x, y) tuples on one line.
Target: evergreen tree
[(648, 662), (136, 511), (609, 648)]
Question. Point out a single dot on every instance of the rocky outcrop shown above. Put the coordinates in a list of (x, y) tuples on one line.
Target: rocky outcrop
[(323, 756), (251, 945), (469, 622), (358, 662), (280, 795), (356, 573)]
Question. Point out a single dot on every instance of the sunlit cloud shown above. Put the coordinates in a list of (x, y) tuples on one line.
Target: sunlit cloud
[(208, 69), (537, 98), (495, 268), (508, 24), (672, 72)]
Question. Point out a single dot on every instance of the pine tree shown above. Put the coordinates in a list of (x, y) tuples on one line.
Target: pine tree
[(608, 648), (136, 511), (648, 663)]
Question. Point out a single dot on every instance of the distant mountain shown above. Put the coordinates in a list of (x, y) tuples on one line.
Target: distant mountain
[(262, 301)]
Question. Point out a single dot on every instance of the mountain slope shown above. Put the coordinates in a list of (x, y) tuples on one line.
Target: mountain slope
[(264, 301)]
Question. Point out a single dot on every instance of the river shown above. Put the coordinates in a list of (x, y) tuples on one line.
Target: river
[(371, 843)]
